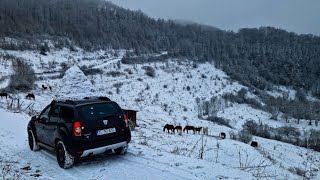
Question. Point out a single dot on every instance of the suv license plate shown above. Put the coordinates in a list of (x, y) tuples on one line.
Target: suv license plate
[(106, 131)]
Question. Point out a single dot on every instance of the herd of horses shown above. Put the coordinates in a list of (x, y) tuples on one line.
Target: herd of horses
[(196, 130), (29, 95)]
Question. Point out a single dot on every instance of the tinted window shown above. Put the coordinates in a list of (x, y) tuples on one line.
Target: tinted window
[(67, 114), (55, 114), (44, 116), (55, 111), (99, 111)]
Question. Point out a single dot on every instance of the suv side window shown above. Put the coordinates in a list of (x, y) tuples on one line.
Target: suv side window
[(44, 116), (55, 114), (66, 114)]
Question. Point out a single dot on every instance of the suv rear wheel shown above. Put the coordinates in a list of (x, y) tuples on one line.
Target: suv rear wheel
[(65, 160), (121, 150), (32, 141)]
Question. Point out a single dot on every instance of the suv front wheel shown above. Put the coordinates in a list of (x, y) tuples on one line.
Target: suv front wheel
[(65, 160), (32, 141)]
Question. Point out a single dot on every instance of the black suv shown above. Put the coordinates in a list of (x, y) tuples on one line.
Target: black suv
[(75, 129)]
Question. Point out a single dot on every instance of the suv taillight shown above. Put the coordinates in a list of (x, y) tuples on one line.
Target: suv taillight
[(76, 129), (125, 118)]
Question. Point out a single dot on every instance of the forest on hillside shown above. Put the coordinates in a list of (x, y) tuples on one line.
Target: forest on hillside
[(257, 57)]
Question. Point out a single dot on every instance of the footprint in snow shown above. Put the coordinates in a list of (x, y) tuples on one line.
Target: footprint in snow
[(177, 164), (35, 175), (222, 177)]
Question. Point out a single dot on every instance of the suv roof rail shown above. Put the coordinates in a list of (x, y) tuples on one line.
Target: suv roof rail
[(69, 101), (103, 98)]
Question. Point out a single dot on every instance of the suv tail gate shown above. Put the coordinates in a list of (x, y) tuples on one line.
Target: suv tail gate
[(101, 121)]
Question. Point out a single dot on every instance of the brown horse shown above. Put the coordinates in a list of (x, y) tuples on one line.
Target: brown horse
[(188, 128), (197, 129), (178, 128), (168, 127), (4, 94)]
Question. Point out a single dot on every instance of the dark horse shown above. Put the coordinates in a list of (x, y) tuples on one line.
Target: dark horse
[(223, 135), (178, 128), (3, 94), (188, 128), (197, 129), (168, 127), (30, 96), (254, 144), (44, 87)]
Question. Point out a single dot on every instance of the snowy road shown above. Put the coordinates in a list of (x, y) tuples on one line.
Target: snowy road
[(14, 147)]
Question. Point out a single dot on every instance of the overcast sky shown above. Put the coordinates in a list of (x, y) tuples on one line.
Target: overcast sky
[(300, 16)]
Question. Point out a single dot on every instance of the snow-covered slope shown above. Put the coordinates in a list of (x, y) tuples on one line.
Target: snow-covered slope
[(168, 96)]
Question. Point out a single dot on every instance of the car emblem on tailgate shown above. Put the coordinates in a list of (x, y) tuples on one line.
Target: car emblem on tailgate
[(105, 122)]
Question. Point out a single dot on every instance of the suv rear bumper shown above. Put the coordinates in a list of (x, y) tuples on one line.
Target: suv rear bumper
[(77, 148), (103, 149)]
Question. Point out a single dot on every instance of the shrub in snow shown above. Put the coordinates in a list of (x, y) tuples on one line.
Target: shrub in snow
[(314, 140), (220, 121), (203, 76), (244, 136), (288, 131), (150, 71), (23, 76), (90, 71), (75, 85), (250, 126), (64, 68), (118, 86), (115, 73)]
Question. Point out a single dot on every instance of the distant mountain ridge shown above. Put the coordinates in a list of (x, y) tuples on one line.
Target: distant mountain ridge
[(256, 57)]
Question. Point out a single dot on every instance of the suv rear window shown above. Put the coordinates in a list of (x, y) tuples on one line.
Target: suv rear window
[(99, 111)]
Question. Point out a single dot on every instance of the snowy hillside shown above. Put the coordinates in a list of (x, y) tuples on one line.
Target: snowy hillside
[(162, 92)]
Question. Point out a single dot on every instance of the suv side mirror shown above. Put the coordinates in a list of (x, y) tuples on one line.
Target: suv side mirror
[(44, 119), (34, 118)]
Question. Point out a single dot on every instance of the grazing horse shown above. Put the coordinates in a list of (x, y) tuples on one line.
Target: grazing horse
[(205, 130), (30, 96), (197, 129), (44, 87), (188, 128), (222, 135), (178, 128), (3, 94), (254, 143), (168, 127)]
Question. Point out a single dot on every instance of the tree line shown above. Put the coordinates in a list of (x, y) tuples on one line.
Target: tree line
[(257, 57)]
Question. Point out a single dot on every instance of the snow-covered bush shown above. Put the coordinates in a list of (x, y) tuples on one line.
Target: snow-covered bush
[(23, 76), (90, 71), (220, 121), (150, 71), (244, 136)]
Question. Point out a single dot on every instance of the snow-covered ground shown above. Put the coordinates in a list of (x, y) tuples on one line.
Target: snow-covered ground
[(168, 97)]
